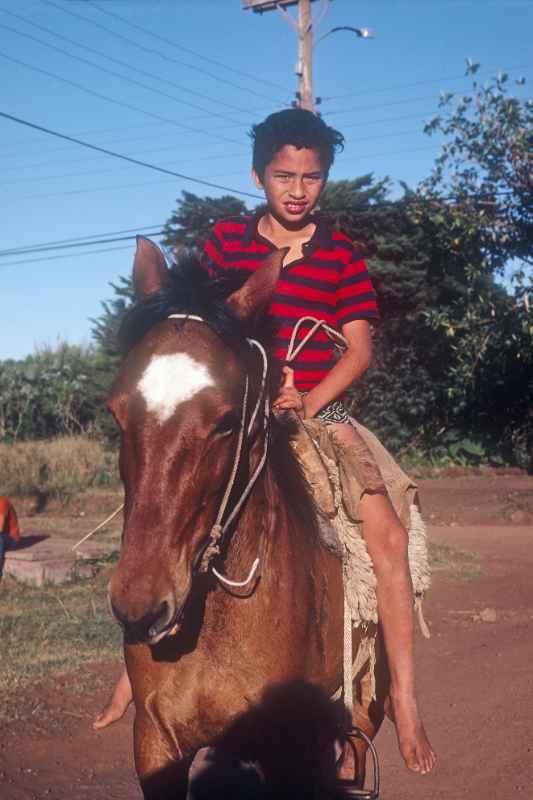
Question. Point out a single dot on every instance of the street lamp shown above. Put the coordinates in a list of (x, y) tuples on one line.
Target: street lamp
[(362, 33), (304, 27)]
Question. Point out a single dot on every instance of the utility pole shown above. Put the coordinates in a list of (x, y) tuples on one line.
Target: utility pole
[(304, 27), (305, 55), (304, 30)]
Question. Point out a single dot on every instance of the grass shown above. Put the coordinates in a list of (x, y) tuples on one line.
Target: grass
[(461, 563), (52, 630), (62, 630), (58, 467)]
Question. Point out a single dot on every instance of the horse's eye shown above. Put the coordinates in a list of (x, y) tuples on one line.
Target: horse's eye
[(227, 424)]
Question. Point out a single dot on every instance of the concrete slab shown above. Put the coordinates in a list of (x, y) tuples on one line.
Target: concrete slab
[(39, 558), (92, 549), (38, 573)]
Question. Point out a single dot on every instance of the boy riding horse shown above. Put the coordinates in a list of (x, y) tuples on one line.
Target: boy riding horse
[(325, 277)]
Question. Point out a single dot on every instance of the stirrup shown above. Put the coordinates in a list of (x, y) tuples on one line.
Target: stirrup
[(348, 786)]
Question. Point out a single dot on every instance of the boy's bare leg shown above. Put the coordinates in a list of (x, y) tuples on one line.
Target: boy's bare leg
[(387, 543), (117, 705), (386, 540)]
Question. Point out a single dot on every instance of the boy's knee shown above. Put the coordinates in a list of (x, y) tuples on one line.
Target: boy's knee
[(343, 434), (397, 537)]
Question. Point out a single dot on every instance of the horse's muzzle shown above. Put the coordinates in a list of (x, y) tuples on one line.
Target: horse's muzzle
[(150, 628)]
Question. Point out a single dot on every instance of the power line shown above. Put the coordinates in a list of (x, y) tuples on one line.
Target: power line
[(111, 171), (344, 126), (152, 137), (164, 56), (125, 64), (125, 78), (254, 78), (195, 159), (379, 105), (415, 83), (67, 255), (115, 187), (142, 184), (120, 103), (47, 246), (154, 167), (215, 157), (156, 125), (389, 119), (74, 244), (224, 156), (96, 189), (211, 157)]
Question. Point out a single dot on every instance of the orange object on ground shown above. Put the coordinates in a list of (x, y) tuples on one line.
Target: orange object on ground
[(8, 519)]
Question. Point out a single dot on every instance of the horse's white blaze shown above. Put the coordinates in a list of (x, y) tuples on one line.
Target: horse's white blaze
[(169, 380)]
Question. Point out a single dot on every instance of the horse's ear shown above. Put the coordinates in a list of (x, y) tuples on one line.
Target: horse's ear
[(254, 295), (150, 271)]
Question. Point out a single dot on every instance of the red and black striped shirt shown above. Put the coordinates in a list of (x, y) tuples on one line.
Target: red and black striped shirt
[(329, 282)]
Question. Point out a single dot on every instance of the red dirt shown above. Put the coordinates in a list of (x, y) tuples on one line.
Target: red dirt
[(474, 676)]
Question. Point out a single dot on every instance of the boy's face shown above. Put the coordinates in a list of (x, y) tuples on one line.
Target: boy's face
[(292, 182)]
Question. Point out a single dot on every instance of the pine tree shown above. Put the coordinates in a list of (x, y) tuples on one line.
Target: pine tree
[(192, 221)]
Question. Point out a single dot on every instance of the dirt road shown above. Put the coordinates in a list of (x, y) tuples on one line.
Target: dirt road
[(475, 674)]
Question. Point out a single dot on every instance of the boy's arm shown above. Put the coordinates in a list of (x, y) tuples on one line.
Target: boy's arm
[(351, 365), (355, 305)]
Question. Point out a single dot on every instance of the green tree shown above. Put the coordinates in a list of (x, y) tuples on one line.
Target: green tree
[(188, 226), (105, 327), (398, 396), (403, 385), (478, 205), (191, 223)]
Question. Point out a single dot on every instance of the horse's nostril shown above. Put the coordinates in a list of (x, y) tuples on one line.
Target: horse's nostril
[(149, 625), (160, 619)]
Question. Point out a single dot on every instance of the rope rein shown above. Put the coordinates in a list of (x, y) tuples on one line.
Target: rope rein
[(219, 529), (293, 351), (346, 689)]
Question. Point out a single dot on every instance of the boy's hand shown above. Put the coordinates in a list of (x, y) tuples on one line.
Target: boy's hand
[(289, 397)]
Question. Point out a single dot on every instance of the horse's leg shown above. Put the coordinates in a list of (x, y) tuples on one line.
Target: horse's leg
[(162, 776)]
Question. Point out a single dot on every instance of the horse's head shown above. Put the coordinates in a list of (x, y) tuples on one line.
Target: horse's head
[(178, 401)]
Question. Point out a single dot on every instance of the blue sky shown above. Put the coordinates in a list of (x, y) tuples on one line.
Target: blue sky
[(220, 70)]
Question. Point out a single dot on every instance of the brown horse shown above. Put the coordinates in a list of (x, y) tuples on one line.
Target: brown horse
[(199, 652)]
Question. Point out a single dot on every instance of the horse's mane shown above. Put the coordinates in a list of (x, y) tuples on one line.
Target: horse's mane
[(191, 290)]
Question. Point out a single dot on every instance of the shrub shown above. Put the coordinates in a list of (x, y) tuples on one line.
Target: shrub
[(56, 467)]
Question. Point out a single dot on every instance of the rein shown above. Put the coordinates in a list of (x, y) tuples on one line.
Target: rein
[(293, 351), (219, 529)]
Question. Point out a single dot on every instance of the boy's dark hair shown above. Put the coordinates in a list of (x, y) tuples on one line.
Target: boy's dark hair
[(297, 127)]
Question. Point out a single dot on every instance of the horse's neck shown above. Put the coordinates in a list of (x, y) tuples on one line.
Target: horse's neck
[(269, 530)]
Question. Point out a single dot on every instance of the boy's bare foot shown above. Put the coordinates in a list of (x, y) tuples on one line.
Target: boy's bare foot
[(112, 712), (413, 742), (117, 705)]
